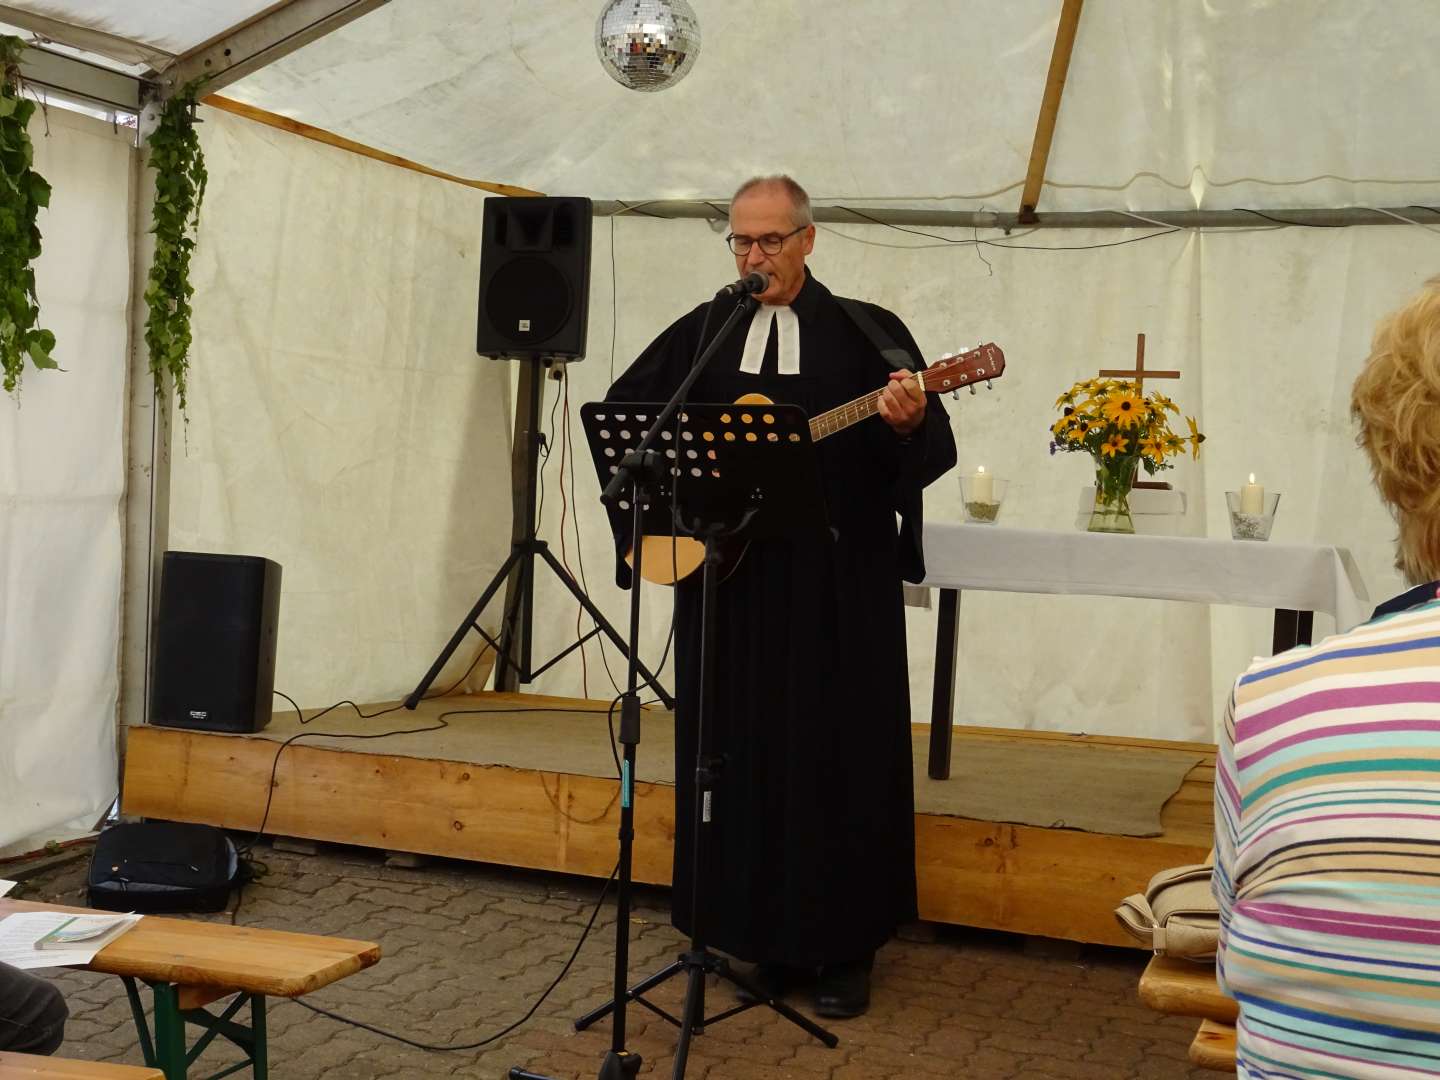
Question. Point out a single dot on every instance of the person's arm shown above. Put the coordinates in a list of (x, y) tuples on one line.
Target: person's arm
[(1227, 833), (925, 453), (32, 1013)]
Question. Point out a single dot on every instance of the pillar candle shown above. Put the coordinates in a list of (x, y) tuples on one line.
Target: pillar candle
[(1252, 498), (982, 486)]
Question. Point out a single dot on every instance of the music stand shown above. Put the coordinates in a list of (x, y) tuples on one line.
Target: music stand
[(727, 472)]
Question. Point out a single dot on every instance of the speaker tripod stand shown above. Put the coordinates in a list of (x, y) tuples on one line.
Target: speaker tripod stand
[(513, 664)]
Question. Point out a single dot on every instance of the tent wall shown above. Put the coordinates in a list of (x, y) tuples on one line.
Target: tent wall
[(1268, 328), (340, 422), (62, 477), (342, 425)]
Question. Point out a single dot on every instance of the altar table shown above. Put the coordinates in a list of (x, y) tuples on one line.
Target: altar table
[(1295, 580)]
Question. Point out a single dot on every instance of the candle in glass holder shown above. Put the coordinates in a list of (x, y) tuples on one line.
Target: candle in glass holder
[(982, 486), (1252, 498)]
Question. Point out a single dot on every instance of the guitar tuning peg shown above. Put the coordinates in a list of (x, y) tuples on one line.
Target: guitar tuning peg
[(955, 394), (972, 390), (989, 385)]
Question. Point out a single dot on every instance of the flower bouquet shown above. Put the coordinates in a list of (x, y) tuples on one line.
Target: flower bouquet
[(1122, 429)]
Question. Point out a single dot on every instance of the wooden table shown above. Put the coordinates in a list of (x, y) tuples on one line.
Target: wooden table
[(189, 963), (1185, 988), (32, 1067)]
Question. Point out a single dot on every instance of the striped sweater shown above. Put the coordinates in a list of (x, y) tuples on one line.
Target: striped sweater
[(1327, 854)]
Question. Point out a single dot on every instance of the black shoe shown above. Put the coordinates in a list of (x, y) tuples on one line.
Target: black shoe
[(844, 989), (772, 980)]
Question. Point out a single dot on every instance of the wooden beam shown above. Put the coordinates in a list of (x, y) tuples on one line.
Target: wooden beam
[(308, 131), (1050, 107)]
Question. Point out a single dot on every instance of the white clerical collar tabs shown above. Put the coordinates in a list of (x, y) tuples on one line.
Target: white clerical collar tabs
[(759, 337)]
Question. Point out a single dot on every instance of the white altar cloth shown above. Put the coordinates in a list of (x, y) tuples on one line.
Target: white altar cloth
[(1299, 577)]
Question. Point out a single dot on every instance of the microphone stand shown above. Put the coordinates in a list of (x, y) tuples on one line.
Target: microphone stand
[(640, 469)]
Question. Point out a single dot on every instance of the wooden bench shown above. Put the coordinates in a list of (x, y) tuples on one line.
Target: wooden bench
[(189, 963), (1185, 988), (1214, 1046), (30, 1067)]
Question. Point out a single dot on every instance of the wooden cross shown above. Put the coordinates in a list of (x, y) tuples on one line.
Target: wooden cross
[(1138, 373)]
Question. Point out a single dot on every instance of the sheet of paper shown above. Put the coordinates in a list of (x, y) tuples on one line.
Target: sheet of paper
[(6, 886), (20, 931)]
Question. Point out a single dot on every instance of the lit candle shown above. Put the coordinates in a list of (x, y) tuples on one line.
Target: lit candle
[(1252, 498), (982, 486)]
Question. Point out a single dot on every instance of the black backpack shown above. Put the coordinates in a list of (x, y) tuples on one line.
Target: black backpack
[(163, 866)]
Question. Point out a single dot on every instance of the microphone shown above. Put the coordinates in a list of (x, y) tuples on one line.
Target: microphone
[(757, 281)]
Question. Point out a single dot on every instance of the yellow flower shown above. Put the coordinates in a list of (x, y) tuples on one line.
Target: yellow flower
[(1174, 444), (1195, 437), (1124, 409), (1079, 430), (1114, 446), (1068, 397), (1164, 402), (1154, 449)]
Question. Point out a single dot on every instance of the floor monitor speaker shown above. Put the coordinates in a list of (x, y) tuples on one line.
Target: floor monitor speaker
[(534, 277), (214, 642)]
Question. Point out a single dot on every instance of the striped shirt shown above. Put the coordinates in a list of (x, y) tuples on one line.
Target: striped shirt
[(1327, 853)]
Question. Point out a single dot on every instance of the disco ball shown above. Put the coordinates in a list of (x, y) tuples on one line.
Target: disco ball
[(647, 45)]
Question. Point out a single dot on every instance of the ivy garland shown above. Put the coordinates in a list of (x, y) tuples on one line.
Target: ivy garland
[(23, 192), (179, 189)]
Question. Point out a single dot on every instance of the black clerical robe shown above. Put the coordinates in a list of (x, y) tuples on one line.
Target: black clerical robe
[(810, 859)]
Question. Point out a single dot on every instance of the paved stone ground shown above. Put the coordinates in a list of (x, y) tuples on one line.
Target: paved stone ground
[(468, 948)]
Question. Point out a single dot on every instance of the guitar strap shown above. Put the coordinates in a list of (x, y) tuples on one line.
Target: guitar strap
[(893, 354)]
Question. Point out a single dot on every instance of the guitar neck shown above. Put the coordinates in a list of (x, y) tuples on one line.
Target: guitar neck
[(852, 412), (985, 362)]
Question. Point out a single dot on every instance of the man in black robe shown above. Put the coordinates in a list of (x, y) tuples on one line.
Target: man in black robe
[(809, 862)]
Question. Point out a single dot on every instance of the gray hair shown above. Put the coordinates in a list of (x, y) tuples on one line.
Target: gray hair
[(799, 198)]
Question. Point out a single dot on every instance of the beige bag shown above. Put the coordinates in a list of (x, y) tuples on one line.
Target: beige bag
[(1176, 915)]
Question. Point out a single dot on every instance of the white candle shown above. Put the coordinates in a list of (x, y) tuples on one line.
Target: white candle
[(982, 486), (1252, 498)]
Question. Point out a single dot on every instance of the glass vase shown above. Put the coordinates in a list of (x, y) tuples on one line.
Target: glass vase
[(1113, 477)]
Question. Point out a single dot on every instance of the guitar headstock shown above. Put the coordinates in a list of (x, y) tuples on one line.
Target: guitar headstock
[(980, 364)]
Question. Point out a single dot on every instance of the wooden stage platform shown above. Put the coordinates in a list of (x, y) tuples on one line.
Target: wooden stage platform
[(1055, 882)]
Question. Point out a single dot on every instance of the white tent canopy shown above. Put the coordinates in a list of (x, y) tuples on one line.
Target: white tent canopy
[(341, 424)]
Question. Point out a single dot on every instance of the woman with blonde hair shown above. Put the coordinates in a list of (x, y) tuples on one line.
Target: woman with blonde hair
[(1327, 793)]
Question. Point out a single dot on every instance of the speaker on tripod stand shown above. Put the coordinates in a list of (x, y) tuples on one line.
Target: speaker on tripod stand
[(534, 306)]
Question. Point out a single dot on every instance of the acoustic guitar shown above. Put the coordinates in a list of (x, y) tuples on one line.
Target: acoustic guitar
[(667, 559)]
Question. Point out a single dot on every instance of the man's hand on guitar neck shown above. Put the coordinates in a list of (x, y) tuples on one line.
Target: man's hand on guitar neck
[(902, 403)]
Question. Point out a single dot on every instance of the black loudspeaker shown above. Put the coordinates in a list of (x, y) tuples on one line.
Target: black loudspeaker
[(534, 278), (215, 642)]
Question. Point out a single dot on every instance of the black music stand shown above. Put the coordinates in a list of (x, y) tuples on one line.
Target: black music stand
[(726, 472)]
